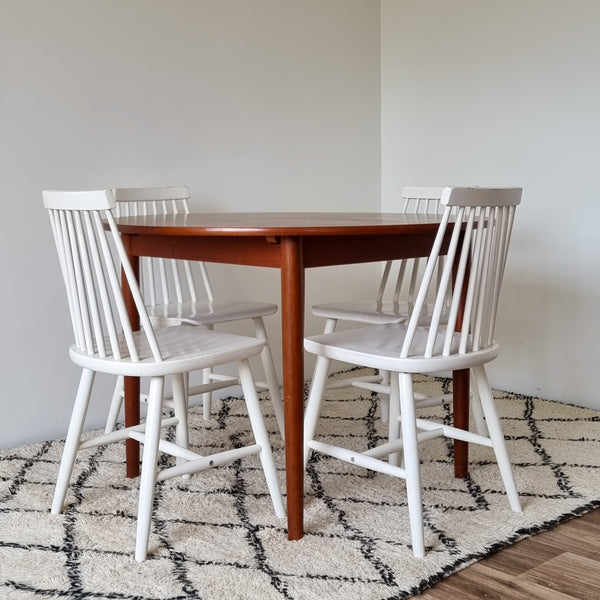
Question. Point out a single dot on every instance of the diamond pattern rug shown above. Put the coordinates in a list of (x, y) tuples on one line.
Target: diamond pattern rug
[(215, 535)]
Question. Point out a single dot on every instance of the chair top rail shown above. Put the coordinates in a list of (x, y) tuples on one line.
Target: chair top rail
[(152, 194)]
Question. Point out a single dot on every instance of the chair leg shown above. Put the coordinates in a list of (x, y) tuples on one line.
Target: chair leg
[(270, 374), (207, 396), (330, 326), (149, 466), (72, 441), (261, 436), (115, 406), (180, 404), (313, 406), (497, 436), (385, 402), (393, 404), (476, 410), (411, 463)]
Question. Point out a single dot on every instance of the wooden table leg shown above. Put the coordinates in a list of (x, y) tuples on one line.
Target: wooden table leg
[(461, 419), (131, 387), (460, 391), (131, 390), (292, 322)]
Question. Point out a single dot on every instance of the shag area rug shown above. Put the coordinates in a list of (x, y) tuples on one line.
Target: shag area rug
[(215, 535)]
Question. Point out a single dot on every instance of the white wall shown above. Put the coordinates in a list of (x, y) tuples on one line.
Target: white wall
[(508, 93), (275, 105), (257, 105)]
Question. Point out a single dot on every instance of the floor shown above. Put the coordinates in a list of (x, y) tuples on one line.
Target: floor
[(560, 564)]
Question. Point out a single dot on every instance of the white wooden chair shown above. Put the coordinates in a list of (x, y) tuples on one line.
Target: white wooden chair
[(393, 302), (478, 222), (180, 291), (398, 285), (92, 256)]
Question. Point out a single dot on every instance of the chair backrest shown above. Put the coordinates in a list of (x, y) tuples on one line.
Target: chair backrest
[(472, 241), (417, 200), (164, 281), (92, 258)]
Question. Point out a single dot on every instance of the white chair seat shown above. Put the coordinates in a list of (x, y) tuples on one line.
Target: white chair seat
[(369, 312), (379, 347), (183, 349), (205, 312)]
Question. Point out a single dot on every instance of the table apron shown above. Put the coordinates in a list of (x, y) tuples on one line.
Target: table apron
[(317, 251)]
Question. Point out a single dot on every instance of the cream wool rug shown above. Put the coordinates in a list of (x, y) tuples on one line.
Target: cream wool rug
[(215, 536)]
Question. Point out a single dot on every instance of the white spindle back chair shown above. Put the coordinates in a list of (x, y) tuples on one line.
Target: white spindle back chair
[(92, 258), (458, 334), (180, 291), (394, 300), (398, 284)]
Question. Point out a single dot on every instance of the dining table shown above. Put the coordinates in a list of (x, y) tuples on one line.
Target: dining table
[(291, 242)]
